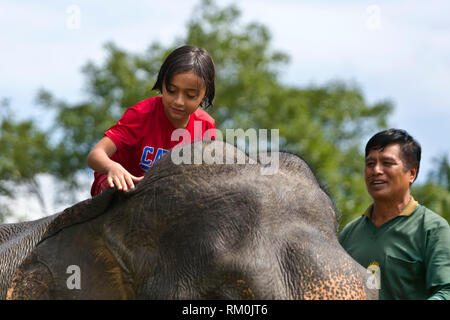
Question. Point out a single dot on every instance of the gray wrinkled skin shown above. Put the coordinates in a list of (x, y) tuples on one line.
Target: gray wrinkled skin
[(202, 231), (16, 243), (18, 240)]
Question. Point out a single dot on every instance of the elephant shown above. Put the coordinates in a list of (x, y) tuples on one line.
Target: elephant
[(204, 230)]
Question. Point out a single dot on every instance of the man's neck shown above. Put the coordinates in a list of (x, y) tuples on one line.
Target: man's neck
[(383, 211)]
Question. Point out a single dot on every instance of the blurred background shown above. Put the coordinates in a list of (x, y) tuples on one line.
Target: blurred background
[(328, 75)]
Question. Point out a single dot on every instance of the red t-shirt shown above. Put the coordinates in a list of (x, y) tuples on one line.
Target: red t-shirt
[(143, 135)]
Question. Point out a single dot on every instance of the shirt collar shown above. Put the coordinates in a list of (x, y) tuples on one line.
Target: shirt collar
[(407, 211)]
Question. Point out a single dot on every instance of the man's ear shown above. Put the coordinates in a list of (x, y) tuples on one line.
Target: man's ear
[(413, 175)]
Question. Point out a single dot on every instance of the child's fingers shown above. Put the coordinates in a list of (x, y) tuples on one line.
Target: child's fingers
[(117, 183), (123, 182), (110, 182), (129, 181), (137, 179)]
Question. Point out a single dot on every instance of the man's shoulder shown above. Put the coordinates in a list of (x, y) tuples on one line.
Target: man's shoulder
[(431, 219), (351, 227), (355, 222)]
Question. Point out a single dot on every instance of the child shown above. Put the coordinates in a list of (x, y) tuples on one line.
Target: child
[(143, 134)]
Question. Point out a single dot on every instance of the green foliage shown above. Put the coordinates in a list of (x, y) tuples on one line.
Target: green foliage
[(24, 151), (441, 174), (324, 124), (434, 197), (24, 155), (435, 193)]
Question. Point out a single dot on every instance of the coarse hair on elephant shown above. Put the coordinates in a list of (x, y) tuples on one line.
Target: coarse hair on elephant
[(189, 231)]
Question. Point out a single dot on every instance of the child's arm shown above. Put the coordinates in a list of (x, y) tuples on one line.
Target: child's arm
[(99, 160)]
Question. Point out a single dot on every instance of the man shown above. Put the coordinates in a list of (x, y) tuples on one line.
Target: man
[(405, 244)]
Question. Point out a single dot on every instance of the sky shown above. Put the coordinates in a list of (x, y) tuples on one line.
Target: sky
[(396, 50)]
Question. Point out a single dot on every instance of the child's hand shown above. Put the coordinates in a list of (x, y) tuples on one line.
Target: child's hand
[(119, 177)]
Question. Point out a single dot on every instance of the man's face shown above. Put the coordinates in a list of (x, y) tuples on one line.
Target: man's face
[(386, 175)]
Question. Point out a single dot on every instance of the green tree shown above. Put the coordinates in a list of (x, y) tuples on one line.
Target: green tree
[(24, 155), (435, 193), (441, 174)]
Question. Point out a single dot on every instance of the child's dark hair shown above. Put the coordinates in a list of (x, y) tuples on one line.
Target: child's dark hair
[(189, 58), (410, 148)]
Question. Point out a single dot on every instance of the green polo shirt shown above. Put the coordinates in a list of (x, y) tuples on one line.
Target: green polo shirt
[(411, 252)]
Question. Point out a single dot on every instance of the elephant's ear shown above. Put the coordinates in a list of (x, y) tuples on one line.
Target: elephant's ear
[(81, 212), (73, 238), (35, 282)]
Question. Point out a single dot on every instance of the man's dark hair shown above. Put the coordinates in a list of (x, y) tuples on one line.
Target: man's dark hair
[(410, 148), (184, 59)]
